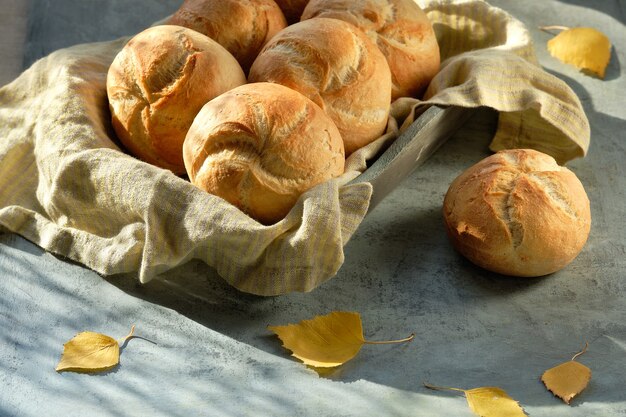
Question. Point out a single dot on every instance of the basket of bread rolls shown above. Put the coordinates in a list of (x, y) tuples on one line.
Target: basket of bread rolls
[(258, 101), (260, 111)]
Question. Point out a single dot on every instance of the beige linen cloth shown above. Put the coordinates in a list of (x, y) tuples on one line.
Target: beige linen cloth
[(66, 186)]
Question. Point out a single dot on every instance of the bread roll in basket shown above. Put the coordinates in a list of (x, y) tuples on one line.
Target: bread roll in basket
[(260, 146), (339, 68), (157, 84), (399, 28)]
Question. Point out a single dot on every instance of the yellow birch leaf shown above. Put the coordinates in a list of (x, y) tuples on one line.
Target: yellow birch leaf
[(586, 48), (567, 379), (493, 402), (326, 341), (90, 352), (488, 401)]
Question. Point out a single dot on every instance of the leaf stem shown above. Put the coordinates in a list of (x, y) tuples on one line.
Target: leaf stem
[(438, 388), (388, 342), (129, 335), (581, 352), (553, 27)]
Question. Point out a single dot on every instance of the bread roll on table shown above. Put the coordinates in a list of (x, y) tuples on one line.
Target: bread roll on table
[(240, 26), (260, 146), (158, 83), (337, 66), (518, 213), (399, 28)]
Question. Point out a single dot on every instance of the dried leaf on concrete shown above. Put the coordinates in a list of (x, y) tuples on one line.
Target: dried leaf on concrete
[(588, 49), (488, 401), (567, 379), (326, 341), (91, 352)]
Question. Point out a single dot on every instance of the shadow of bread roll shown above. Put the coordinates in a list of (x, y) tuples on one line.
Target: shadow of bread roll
[(518, 213), (260, 146), (158, 83), (337, 66), (292, 9), (399, 28), (240, 26)]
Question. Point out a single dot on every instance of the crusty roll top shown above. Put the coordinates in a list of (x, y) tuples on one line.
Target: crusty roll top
[(241, 26), (334, 64), (518, 213), (399, 28), (260, 146), (157, 84)]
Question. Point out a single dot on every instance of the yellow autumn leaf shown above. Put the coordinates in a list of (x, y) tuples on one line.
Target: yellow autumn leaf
[(90, 352), (488, 401), (493, 402), (586, 48), (567, 379), (326, 341)]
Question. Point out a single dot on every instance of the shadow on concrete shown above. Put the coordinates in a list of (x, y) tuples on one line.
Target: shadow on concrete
[(473, 327), (614, 8), (52, 23)]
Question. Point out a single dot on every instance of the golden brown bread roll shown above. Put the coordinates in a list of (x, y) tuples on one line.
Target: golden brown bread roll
[(292, 9), (337, 66), (260, 146), (158, 83), (240, 26), (518, 213), (400, 29)]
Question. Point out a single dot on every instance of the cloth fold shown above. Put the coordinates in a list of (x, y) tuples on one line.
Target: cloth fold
[(66, 184)]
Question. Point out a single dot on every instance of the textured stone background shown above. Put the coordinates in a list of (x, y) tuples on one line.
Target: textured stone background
[(212, 354)]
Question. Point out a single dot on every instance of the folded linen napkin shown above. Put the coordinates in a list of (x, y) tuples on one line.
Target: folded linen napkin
[(66, 186)]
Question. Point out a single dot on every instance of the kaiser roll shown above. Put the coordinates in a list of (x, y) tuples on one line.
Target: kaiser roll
[(260, 146), (157, 84), (400, 29), (240, 26), (518, 213), (338, 67)]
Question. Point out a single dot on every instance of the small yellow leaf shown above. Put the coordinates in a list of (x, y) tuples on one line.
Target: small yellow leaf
[(493, 402), (90, 352), (567, 379), (488, 401), (586, 48), (326, 341)]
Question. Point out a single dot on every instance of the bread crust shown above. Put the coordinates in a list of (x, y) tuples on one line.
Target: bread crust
[(339, 68), (240, 26), (518, 213), (399, 28), (157, 84), (260, 146)]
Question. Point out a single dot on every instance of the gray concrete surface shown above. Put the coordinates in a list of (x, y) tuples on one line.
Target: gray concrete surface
[(13, 24), (210, 353)]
